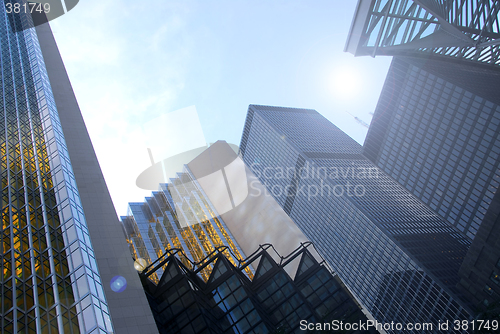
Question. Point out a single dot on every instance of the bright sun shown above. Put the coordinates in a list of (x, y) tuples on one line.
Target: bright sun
[(346, 82)]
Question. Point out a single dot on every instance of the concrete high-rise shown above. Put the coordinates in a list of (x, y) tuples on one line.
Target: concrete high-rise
[(61, 246), (396, 254)]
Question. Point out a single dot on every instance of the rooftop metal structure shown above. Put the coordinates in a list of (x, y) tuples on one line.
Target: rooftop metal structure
[(461, 29)]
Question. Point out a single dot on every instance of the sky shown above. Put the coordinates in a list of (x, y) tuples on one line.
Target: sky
[(131, 63)]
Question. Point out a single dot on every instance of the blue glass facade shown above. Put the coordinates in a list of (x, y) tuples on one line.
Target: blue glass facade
[(399, 257), (50, 281)]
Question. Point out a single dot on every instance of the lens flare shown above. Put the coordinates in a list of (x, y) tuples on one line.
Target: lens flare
[(118, 284)]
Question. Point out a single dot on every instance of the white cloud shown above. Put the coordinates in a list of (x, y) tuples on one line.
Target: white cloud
[(122, 77)]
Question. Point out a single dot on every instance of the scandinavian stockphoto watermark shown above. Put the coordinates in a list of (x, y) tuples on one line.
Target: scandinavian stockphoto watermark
[(323, 181), (171, 151)]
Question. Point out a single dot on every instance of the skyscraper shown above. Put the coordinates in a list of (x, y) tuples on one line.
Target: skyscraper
[(178, 216), (199, 280), (216, 201), (435, 131), (398, 256), (480, 271), (61, 241)]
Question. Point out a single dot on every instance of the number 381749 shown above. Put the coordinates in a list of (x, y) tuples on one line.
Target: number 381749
[(31, 7)]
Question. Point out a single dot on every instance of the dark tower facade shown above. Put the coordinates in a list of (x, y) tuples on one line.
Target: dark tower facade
[(436, 132), (398, 257), (231, 301), (436, 126)]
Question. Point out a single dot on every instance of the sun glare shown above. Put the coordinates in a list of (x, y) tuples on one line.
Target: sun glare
[(345, 83)]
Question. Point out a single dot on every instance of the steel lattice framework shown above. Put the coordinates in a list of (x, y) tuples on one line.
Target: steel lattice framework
[(461, 29)]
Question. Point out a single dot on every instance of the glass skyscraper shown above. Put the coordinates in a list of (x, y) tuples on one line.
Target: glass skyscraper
[(436, 126), (398, 256), (435, 131), (178, 216), (196, 276), (60, 242)]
